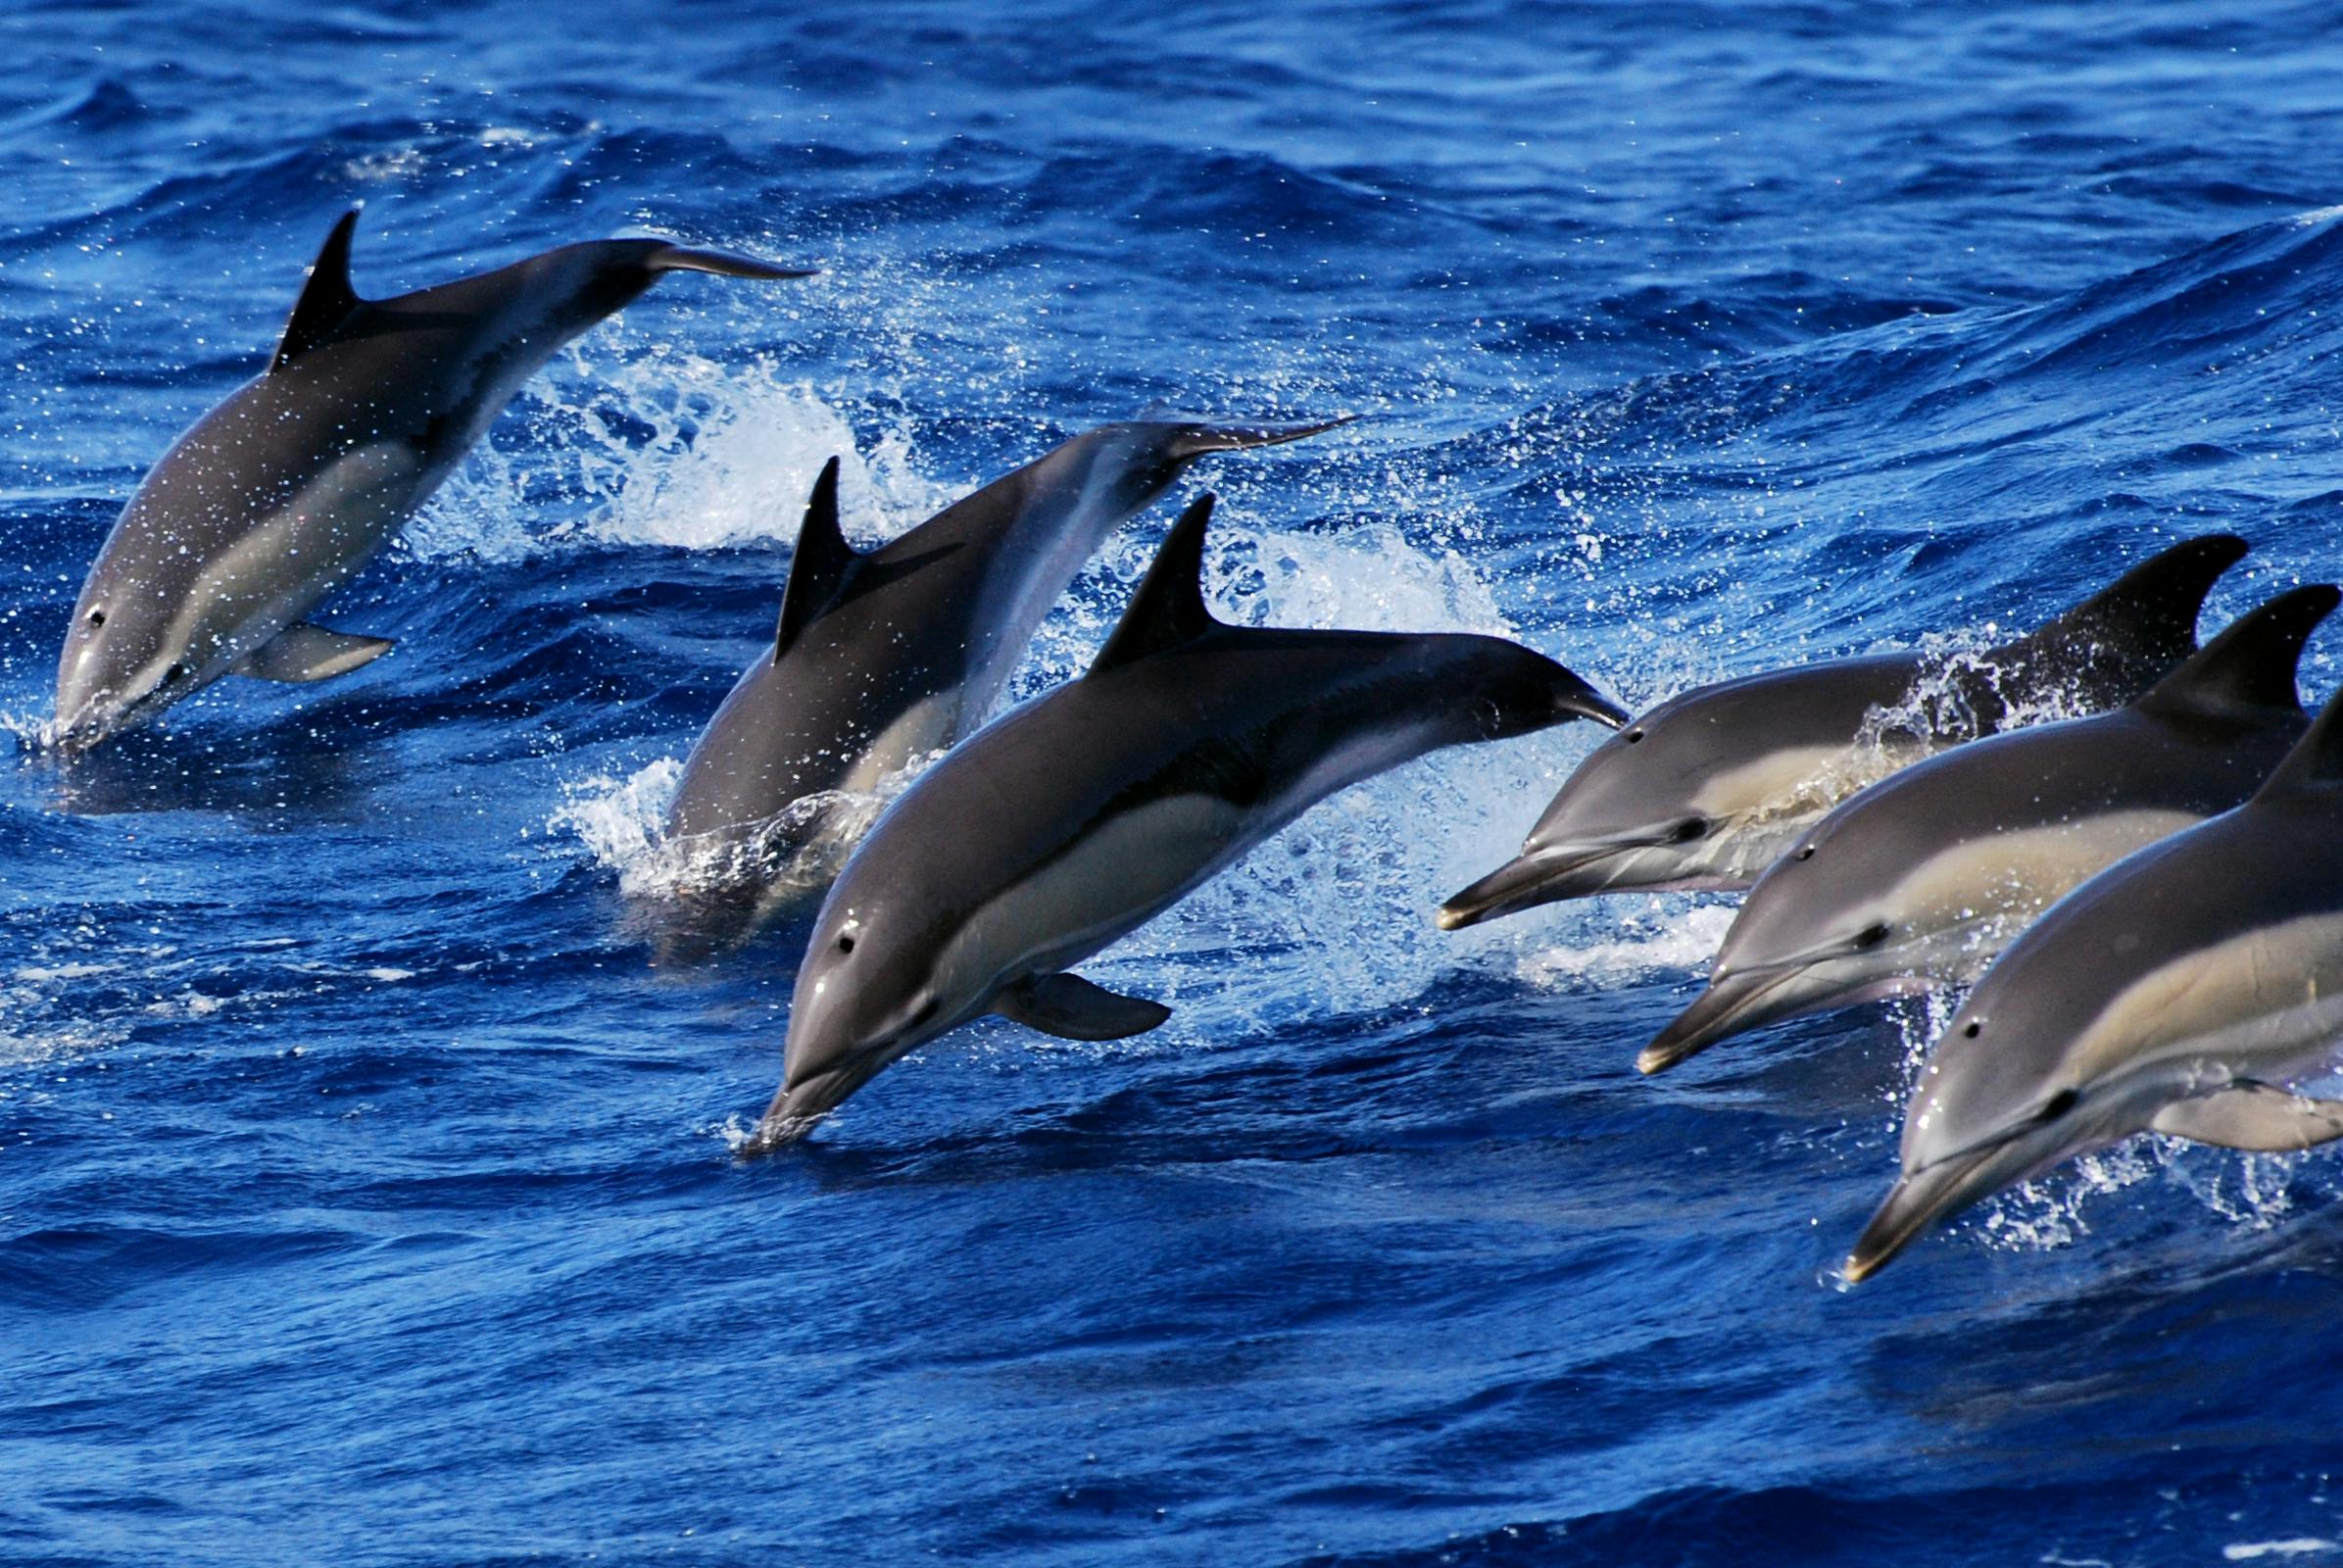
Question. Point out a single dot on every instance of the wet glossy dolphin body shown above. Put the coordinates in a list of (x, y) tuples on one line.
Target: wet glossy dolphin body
[(279, 495), (883, 656), (1710, 788), (2182, 990), (1084, 815), (1922, 879)]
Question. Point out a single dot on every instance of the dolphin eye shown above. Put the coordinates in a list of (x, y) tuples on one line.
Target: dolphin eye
[(172, 675), (1973, 1030), (846, 943), (2060, 1103), (1871, 936), (1635, 737), (1806, 853), (1690, 829), (97, 618)]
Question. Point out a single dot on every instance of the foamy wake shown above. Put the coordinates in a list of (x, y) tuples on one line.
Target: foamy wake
[(619, 819), (634, 445), (1664, 940)]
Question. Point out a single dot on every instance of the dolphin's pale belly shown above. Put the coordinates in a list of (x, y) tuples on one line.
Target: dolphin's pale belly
[(2001, 880), (927, 725), (1765, 806), (1103, 888), (296, 555), (2265, 1003)]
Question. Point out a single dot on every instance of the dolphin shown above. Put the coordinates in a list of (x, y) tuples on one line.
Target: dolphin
[(881, 657), (2180, 990), (1710, 787), (279, 495), (1084, 813), (1921, 879)]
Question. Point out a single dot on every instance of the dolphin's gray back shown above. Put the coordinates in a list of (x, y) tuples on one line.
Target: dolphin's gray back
[(925, 633), (803, 723), (427, 370), (2051, 774), (1264, 723), (1672, 751)]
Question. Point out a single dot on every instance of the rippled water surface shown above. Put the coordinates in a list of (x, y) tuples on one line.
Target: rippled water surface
[(366, 1191)]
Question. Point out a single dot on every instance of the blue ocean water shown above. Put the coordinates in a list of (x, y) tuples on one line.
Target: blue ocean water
[(366, 1192)]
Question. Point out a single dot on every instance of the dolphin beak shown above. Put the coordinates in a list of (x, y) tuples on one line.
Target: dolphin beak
[(1202, 436), (1544, 876), (1585, 701), (1732, 1003), (797, 1106), (1917, 1201), (91, 722)]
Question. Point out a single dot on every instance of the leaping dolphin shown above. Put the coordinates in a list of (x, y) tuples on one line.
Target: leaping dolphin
[(281, 493), (2182, 990), (881, 658), (1921, 879), (1084, 813), (1709, 788)]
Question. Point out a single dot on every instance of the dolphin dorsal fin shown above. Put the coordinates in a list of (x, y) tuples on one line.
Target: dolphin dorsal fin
[(2152, 608), (2252, 663), (326, 299), (823, 562), (2315, 764), (1168, 608)]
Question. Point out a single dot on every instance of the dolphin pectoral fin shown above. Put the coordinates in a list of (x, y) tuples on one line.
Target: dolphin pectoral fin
[(2254, 1117), (1072, 1009), (306, 653), (684, 259)]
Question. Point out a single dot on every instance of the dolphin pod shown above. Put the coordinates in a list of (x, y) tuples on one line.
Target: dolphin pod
[(2182, 990), (881, 657), (1708, 789), (278, 496), (1921, 879), (1104, 802), (2150, 898)]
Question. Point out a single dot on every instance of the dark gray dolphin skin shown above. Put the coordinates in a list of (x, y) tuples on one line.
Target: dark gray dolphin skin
[(280, 494), (1710, 787), (1084, 813), (2179, 989), (883, 656), (1921, 879)]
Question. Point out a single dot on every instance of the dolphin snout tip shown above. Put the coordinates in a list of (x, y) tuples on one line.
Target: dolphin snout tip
[(774, 1132), (1540, 876), (1593, 704), (800, 1105), (1860, 1266), (70, 736), (1498, 893)]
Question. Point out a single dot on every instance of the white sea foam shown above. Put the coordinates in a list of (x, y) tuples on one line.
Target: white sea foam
[(658, 446), (1662, 941), (2294, 1547)]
